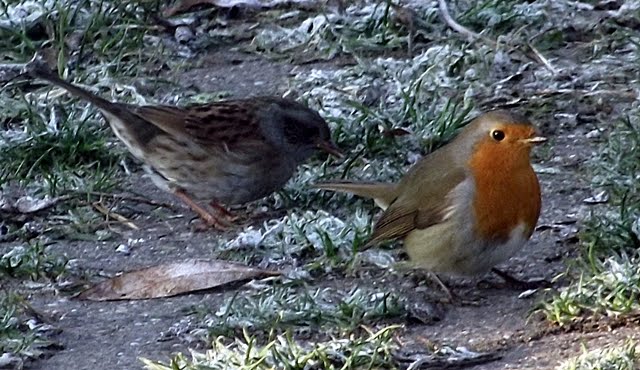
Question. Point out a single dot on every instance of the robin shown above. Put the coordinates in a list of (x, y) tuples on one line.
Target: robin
[(467, 206)]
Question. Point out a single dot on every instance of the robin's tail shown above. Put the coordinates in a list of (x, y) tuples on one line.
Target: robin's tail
[(382, 193)]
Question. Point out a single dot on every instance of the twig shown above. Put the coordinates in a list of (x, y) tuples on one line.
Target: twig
[(533, 54), (116, 216), (444, 10), (124, 196), (540, 58)]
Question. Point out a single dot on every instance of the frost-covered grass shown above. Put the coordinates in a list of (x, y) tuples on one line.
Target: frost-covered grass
[(362, 29), (317, 242), (404, 86), (607, 277), (23, 336), (54, 145), (371, 350), (31, 261), (622, 357), (92, 32), (296, 306)]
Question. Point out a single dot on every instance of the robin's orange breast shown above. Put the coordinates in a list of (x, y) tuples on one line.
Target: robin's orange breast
[(507, 192)]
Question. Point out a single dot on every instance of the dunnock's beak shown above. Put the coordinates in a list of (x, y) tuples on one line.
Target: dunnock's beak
[(330, 148)]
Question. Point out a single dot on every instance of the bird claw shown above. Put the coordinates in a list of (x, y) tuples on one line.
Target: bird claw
[(211, 221), (224, 213)]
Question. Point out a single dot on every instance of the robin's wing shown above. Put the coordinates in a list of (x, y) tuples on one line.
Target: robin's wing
[(424, 197)]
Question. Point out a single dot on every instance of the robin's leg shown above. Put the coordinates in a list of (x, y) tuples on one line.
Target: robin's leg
[(206, 216), (451, 297), (516, 283), (423, 275)]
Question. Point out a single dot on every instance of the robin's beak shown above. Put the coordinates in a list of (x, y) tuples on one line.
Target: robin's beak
[(535, 140), (330, 148)]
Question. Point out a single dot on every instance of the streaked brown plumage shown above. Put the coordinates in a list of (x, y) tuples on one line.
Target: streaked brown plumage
[(229, 152)]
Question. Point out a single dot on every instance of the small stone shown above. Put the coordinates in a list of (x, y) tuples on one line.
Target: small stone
[(600, 197), (183, 34), (470, 74), (7, 360), (527, 293), (123, 248), (593, 134)]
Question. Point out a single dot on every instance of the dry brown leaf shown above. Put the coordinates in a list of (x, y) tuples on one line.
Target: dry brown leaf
[(172, 279)]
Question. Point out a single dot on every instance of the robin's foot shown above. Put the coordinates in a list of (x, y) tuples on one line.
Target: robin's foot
[(449, 296), (515, 283)]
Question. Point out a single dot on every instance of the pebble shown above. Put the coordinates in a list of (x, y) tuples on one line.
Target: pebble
[(183, 34)]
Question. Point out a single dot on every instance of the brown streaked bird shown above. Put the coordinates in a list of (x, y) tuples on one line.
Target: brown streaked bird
[(467, 206), (229, 152)]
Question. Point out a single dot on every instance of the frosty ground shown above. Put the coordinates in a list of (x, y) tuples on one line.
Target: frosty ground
[(394, 82)]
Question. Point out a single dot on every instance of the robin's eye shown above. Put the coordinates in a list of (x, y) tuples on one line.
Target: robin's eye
[(497, 135)]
